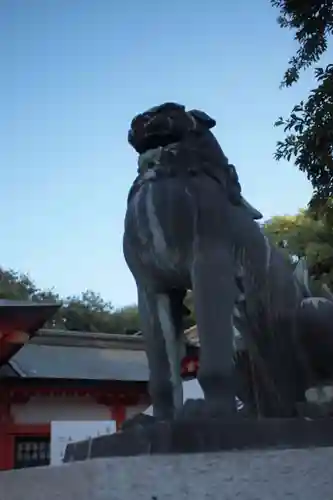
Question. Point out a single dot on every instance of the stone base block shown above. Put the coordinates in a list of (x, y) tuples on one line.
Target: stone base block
[(244, 475), (206, 435)]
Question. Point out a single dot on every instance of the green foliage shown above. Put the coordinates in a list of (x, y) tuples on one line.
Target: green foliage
[(309, 138), (86, 312), (16, 286), (309, 128), (126, 320), (304, 235), (312, 22), (188, 302)]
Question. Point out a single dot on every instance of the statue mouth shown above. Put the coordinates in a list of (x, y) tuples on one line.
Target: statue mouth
[(153, 141), (158, 127)]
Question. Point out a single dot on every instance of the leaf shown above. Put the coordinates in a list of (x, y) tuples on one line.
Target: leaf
[(279, 122)]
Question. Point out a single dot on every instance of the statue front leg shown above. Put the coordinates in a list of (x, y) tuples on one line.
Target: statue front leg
[(163, 352), (214, 298)]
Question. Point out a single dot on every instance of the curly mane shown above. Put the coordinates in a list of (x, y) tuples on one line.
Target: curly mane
[(197, 154)]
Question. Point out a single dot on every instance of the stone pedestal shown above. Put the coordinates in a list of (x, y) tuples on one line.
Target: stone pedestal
[(243, 475), (206, 435)]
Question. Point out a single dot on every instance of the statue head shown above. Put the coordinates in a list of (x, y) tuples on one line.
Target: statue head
[(190, 133), (166, 124)]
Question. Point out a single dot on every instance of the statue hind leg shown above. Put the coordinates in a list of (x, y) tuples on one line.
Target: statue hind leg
[(214, 288), (161, 330)]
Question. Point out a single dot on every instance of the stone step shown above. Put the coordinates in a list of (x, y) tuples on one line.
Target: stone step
[(245, 475)]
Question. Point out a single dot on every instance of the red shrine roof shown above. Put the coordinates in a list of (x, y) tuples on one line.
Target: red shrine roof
[(63, 354), (93, 363), (28, 351), (19, 321)]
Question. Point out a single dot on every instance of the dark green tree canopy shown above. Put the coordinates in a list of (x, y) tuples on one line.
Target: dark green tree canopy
[(309, 128), (312, 22)]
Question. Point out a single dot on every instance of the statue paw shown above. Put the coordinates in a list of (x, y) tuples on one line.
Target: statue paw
[(318, 401), (201, 409), (140, 420), (193, 408)]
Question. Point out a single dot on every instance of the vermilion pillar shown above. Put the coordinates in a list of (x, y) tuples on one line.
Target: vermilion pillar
[(118, 413), (6, 439)]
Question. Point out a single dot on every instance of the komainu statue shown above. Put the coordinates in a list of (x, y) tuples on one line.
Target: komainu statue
[(188, 226), (313, 344)]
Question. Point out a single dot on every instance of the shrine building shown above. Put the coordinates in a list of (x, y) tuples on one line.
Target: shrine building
[(59, 375)]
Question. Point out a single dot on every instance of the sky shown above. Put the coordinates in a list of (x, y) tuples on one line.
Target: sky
[(74, 73)]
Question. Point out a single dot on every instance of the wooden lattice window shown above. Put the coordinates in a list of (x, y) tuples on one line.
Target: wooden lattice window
[(32, 451)]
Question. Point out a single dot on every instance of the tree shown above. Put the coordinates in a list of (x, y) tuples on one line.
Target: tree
[(304, 235), (309, 128), (85, 312), (126, 320)]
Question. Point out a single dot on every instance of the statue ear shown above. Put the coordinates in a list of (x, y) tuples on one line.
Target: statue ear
[(203, 118)]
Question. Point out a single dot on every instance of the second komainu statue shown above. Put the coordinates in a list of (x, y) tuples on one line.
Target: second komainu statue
[(187, 227)]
